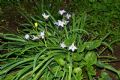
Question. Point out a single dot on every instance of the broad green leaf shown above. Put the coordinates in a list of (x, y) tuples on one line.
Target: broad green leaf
[(60, 61), (91, 71), (105, 76), (90, 58), (55, 68), (59, 73), (69, 41), (92, 44), (77, 70), (81, 48), (78, 75), (82, 64), (77, 56)]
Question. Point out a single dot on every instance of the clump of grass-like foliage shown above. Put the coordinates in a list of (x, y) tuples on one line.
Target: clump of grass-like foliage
[(54, 50)]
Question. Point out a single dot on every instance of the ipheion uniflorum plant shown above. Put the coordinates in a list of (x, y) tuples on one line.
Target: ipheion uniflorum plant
[(54, 50)]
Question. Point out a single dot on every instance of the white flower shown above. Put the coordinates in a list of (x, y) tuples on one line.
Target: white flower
[(61, 12), (45, 16), (72, 47), (60, 23), (42, 34), (62, 45), (68, 16), (27, 36), (56, 23), (35, 37)]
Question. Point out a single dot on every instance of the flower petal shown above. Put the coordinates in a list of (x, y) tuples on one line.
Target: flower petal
[(61, 12), (62, 45), (45, 16), (27, 36)]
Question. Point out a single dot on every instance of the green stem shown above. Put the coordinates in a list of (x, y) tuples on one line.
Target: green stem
[(63, 75), (70, 67), (66, 32), (110, 45), (90, 77), (108, 57), (45, 43), (42, 5), (105, 36), (110, 61)]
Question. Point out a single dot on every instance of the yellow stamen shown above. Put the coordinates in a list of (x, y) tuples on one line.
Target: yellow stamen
[(36, 24)]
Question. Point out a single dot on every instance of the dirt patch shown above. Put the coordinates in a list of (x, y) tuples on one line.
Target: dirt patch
[(10, 19), (116, 64)]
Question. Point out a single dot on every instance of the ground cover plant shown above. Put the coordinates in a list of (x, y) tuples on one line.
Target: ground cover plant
[(66, 45), (55, 49)]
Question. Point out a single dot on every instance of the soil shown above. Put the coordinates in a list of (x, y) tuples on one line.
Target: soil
[(10, 19), (116, 64)]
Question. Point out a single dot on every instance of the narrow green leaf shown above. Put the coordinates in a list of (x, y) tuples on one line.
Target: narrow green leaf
[(22, 72), (37, 56), (107, 66), (14, 65), (30, 47), (39, 73), (15, 39), (109, 46)]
